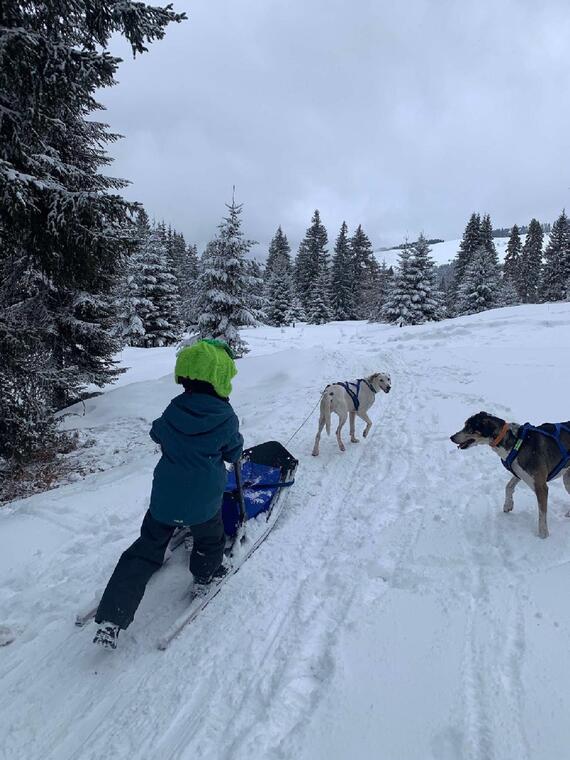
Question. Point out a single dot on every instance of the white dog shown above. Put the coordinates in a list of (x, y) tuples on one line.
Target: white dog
[(350, 399)]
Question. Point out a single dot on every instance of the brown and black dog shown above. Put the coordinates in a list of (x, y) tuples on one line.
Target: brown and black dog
[(539, 455)]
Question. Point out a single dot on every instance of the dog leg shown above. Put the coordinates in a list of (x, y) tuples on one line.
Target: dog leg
[(368, 421), (318, 436), (509, 490), (341, 421), (541, 491), (352, 418), (566, 480)]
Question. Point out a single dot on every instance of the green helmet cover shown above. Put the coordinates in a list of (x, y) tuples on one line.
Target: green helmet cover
[(210, 361)]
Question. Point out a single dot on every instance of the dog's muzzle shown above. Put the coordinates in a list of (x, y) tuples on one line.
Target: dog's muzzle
[(465, 443)]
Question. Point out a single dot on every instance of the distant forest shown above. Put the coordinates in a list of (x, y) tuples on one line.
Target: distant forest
[(501, 232)]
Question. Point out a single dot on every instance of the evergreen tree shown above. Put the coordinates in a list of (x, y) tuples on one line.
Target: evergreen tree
[(415, 299), (512, 267), (278, 281), (159, 303), (399, 308), (224, 284), (279, 256), (296, 313), (422, 278), (508, 293), (556, 269), (365, 277), (531, 263), (487, 240), (480, 286), (188, 272), (384, 288), (318, 311), (470, 242), (281, 308), (130, 327), (342, 277), (312, 261), (255, 301), (63, 225)]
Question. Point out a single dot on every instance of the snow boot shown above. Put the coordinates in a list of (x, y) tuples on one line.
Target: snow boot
[(107, 635), (202, 586)]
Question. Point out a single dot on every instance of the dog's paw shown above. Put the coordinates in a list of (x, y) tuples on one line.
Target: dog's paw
[(343, 447), (508, 507), (543, 533), (354, 440)]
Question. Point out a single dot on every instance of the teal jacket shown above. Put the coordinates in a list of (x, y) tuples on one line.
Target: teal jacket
[(197, 433)]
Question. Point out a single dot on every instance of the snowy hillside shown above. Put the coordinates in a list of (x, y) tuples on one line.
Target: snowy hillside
[(395, 612), (443, 253)]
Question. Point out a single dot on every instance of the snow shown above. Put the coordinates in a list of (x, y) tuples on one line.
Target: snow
[(444, 253), (395, 612)]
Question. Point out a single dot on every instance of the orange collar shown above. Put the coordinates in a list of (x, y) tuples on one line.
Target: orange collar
[(504, 430)]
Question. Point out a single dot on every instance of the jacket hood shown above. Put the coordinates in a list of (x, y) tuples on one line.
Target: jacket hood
[(197, 413)]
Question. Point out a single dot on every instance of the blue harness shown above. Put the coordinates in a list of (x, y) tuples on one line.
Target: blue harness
[(354, 393), (564, 453)]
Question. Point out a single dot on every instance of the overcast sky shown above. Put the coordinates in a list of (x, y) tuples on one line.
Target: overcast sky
[(401, 116)]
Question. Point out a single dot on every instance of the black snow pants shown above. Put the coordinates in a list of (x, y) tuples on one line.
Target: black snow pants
[(143, 558)]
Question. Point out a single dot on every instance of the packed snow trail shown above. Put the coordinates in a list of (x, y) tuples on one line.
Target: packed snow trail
[(395, 612)]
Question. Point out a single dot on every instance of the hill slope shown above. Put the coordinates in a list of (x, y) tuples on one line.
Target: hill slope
[(395, 612)]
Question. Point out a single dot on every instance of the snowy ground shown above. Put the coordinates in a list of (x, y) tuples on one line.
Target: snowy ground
[(394, 613)]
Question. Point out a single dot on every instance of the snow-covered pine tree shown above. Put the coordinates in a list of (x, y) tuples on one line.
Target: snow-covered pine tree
[(296, 313), (416, 297), (279, 255), (224, 284), (508, 293), (27, 374), (512, 266), (318, 312), (556, 268), (159, 302), (422, 279), (398, 308), (470, 242), (384, 287), (312, 258), (531, 263), (342, 278), (62, 223), (487, 240), (278, 281), (130, 327), (365, 274), (480, 286), (256, 300), (188, 274)]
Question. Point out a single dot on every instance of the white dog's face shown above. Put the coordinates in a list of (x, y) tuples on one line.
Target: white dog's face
[(380, 381)]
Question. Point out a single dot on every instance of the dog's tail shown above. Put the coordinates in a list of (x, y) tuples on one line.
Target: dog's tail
[(326, 403)]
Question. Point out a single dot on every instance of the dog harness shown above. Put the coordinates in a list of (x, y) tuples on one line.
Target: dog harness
[(524, 429), (354, 393)]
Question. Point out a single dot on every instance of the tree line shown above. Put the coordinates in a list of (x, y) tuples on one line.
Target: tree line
[(83, 272)]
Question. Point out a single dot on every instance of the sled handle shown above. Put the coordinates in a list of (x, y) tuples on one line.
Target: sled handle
[(239, 484)]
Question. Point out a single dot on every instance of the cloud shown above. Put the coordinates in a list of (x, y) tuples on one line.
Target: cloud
[(401, 117)]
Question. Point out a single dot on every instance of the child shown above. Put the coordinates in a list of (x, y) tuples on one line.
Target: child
[(197, 433)]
